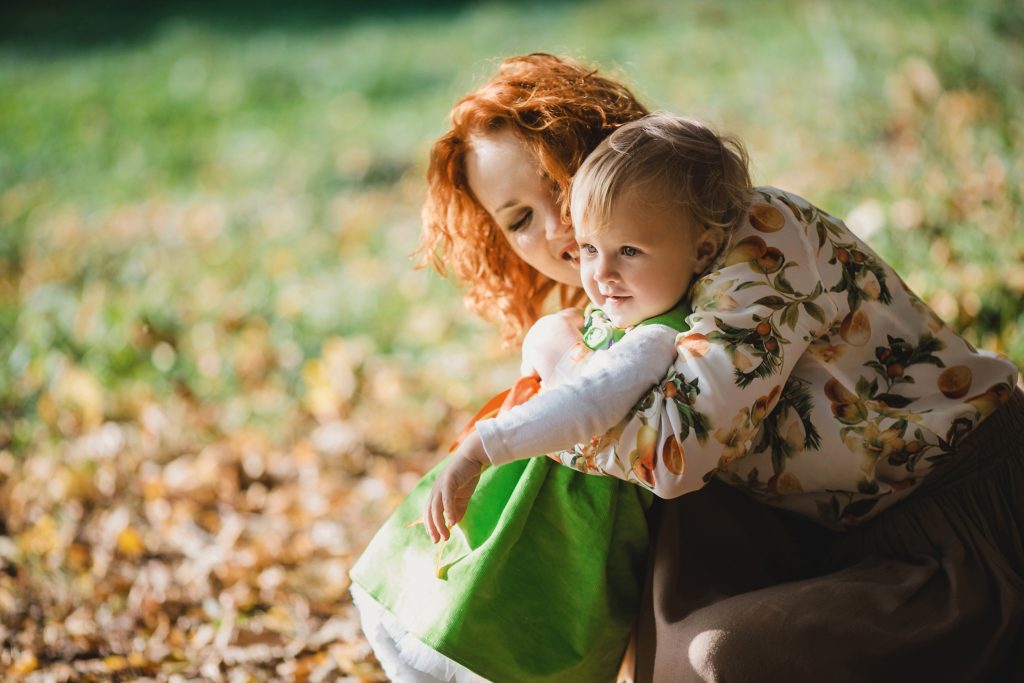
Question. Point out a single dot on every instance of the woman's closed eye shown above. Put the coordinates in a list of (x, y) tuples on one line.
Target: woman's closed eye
[(521, 222)]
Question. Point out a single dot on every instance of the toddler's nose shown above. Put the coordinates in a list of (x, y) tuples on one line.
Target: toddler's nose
[(605, 271)]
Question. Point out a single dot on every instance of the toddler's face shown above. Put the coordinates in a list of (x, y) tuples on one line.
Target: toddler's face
[(641, 264)]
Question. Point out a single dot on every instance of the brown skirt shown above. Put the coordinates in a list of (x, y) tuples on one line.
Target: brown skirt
[(931, 590)]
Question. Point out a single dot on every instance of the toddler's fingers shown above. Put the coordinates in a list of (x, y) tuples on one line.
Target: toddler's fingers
[(428, 520), (437, 512), (451, 512), (428, 514)]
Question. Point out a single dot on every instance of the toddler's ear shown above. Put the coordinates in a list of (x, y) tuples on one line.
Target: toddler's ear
[(709, 243)]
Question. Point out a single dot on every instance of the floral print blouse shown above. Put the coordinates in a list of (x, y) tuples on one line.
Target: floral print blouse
[(811, 377)]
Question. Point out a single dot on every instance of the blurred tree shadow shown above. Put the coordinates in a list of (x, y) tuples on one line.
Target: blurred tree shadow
[(57, 27)]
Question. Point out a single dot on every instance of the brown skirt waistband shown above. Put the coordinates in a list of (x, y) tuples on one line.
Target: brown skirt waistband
[(998, 437)]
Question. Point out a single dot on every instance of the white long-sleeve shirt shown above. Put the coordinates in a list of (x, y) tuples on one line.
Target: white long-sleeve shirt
[(574, 410)]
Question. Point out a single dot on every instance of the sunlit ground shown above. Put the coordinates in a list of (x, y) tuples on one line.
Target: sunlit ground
[(219, 370)]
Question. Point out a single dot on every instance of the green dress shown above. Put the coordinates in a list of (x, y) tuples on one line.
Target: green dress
[(541, 580)]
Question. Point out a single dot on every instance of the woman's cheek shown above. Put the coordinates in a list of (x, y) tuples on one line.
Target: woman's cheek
[(520, 240), (516, 241)]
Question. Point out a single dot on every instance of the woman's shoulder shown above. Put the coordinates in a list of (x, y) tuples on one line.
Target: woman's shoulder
[(765, 213), (776, 231)]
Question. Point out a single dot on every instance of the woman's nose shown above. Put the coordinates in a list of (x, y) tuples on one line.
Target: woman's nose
[(559, 229)]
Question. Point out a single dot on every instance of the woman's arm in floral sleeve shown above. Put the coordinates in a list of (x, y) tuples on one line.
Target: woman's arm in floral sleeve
[(753, 318)]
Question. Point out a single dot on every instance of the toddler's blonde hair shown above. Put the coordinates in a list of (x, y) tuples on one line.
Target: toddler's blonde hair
[(666, 159)]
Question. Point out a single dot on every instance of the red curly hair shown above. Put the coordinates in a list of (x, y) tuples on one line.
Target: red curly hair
[(561, 110)]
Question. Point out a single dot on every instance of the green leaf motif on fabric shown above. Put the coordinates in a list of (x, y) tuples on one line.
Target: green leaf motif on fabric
[(788, 430)]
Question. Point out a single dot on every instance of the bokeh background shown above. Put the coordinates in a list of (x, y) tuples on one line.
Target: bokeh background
[(220, 369)]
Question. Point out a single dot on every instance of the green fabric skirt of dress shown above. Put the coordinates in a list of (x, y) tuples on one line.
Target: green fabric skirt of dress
[(541, 580)]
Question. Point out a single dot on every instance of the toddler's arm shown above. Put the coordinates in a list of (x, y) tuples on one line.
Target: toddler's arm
[(623, 374), (589, 405)]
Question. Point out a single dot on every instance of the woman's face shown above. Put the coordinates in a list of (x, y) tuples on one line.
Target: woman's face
[(508, 182)]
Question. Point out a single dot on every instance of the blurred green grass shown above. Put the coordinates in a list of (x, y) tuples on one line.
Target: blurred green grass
[(213, 342), (215, 209)]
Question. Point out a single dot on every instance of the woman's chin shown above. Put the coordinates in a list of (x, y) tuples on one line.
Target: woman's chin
[(565, 273)]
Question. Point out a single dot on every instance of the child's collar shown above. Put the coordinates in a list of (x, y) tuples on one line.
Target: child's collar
[(600, 333)]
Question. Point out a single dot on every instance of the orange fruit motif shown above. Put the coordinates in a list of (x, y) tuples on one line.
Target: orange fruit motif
[(764, 405), (643, 457), (763, 328), (696, 344), (856, 328), (955, 382), (768, 262), (766, 218), (644, 471), (786, 482), (673, 455), (759, 410), (746, 250), (670, 389), (837, 393), (846, 406)]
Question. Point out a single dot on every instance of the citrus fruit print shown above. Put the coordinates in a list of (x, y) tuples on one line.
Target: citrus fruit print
[(955, 382), (695, 344), (856, 328), (642, 458), (766, 218), (672, 455)]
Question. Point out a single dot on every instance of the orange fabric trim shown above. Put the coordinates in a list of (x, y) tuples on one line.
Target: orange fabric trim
[(522, 390)]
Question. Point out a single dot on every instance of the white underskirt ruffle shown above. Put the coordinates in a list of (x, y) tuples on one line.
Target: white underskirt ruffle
[(405, 658)]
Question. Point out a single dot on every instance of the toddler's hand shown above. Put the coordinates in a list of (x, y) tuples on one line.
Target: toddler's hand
[(453, 488)]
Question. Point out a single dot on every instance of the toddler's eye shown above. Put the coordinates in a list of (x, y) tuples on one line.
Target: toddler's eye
[(588, 249), (629, 251), (521, 221)]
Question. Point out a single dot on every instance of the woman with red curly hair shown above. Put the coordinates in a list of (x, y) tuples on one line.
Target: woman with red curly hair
[(543, 581), (544, 112)]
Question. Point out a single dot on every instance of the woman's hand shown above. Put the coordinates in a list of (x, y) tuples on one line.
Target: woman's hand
[(453, 488)]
